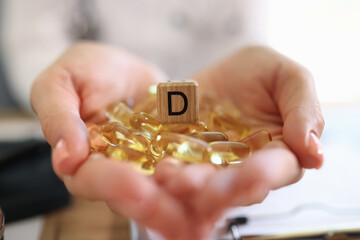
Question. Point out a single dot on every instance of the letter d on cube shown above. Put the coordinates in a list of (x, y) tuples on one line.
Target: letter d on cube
[(178, 102)]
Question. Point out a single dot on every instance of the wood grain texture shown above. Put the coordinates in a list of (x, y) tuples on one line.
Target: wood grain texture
[(85, 220), (178, 102)]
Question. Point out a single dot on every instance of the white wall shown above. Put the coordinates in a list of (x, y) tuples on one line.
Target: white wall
[(323, 35)]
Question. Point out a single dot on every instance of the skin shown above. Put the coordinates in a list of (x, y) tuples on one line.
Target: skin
[(273, 92)]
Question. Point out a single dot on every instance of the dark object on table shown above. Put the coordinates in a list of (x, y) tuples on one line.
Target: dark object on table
[(28, 185)]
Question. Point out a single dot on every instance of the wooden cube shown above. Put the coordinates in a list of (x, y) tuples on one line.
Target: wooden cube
[(178, 102)]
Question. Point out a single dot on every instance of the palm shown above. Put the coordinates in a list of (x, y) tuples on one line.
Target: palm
[(87, 77), (249, 79)]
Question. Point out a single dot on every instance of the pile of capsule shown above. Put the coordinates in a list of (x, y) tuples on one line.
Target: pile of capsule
[(133, 134)]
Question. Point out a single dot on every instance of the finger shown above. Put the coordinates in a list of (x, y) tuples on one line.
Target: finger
[(55, 101), (128, 193), (266, 170), (189, 180), (301, 113), (165, 169)]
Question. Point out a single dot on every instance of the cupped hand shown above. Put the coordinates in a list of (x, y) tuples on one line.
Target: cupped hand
[(273, 93), (76, 89)]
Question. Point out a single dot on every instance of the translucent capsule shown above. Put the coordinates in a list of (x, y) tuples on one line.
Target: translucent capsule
[(96, 143), (116, 134), (179, 146), (119, 112), (219, 105), (185, 128), (210, 136), (225, 122), (146, 124), (148, 105), (148, 167), (257, 140), (226, 153), (207, 116), (233, 136), (139, 160)]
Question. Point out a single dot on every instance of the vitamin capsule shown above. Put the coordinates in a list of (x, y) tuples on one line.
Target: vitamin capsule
[(146, 124), (207, 101), (185, 128), (136, 158), (148, 167), (226, 106), (210, 136), (179, 146), (147, 106), (226, 153), (96, 143), (207, 116), (116, 134), (225, 122), (233, 135), (119, 112), (257, 140), (219, 105)]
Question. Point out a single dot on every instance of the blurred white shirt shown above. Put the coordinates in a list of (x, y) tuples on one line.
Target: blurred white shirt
[(180, 37)]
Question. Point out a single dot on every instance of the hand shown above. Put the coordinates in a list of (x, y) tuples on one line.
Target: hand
[(273, 93), (76, 89)]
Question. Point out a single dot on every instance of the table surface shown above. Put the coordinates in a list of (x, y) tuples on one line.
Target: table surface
[(85, 219)]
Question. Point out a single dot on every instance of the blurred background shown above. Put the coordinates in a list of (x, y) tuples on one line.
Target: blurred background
[(323, 35)]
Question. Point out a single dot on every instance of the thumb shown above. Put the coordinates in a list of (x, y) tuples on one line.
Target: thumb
[(302, 117), (57, 106)]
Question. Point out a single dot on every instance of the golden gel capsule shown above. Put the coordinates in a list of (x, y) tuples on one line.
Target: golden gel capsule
[(207, 116), (179, 146), (136, 158), (185, 128), (225, 122), (96, 143), (257, 140), (219, 105), (210, 136), (116, 134), (148, 105), (226, 153), (146, 124), (119, 112), (148, 167), (233, 136)]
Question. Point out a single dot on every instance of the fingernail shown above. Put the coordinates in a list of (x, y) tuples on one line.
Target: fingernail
[(60, 152), (316, 149)]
